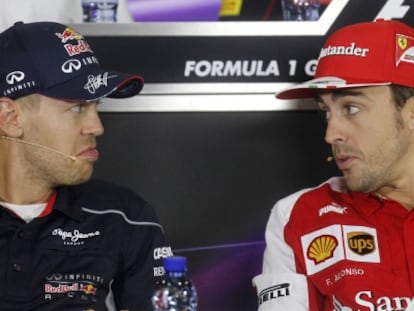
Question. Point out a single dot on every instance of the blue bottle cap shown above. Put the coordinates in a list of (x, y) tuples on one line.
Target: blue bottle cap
[(175, 264)]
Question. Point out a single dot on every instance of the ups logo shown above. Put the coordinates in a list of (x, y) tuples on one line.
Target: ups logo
[(361, 243)]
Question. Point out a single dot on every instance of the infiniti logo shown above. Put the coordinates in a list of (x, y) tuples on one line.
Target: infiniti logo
[(54, 277), (71, 65), (14, 77)]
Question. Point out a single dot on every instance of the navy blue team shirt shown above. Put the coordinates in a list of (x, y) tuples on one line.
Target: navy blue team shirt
[(96, 247)]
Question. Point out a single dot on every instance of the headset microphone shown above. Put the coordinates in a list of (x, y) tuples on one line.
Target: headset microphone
[(73, 158), (330, 159)]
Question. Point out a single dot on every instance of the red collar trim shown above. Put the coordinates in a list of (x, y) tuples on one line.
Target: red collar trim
[(49, 207)]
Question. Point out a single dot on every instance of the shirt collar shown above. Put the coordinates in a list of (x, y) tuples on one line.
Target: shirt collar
[(369, 202), (66, 204), (372, 202)]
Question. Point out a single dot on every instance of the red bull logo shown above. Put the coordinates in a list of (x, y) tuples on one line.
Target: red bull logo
[(73, 49), (69, 34), (88, 289)]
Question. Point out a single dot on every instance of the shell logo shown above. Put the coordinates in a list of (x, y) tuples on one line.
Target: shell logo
[(322, 248)]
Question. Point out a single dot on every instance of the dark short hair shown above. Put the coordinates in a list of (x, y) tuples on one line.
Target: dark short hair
[(401, 94)]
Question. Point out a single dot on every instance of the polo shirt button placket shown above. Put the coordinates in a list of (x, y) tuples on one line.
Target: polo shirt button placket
[(17, 267)]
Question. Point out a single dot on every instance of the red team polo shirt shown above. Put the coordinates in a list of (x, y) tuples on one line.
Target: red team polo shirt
[(330, 249)]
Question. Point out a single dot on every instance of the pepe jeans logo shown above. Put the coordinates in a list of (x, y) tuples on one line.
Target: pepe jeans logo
[(74, 237)]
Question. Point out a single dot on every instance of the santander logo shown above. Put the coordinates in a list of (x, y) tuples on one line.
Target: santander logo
[(351, 49)]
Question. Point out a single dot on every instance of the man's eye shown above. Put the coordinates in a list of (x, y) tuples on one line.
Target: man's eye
[(325, 113), (76, 108), (352, 109)]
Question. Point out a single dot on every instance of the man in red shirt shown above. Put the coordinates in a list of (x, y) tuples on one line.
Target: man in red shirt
[(347, 243)]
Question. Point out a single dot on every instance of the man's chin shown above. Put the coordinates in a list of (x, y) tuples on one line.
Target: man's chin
[(77, 180), (357, 185)]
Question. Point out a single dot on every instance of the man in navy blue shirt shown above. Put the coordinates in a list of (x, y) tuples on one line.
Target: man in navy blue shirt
[(67, 243)]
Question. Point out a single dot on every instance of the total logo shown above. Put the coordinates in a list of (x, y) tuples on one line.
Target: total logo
[(329, 245), (367, 301)]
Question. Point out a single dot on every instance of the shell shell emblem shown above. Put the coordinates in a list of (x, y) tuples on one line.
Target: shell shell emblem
[(322, 248)]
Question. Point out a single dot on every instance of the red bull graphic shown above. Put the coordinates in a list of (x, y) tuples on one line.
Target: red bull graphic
[(69, 34), (88, 289), (74, 49)]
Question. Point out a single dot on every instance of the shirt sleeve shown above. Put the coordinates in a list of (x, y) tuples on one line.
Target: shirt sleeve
[(281, 286), (145, 247)]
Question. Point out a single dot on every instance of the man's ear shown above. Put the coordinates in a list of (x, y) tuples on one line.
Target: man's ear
[(10, 118)]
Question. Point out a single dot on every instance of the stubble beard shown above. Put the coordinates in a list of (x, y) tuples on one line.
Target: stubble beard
[(54, 170), (378, 166)]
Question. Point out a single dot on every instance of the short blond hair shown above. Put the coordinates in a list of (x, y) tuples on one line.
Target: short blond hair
[(29, 102)]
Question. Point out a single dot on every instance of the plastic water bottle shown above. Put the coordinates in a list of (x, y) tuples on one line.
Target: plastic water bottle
[(301, 10), (99, 11), (175, 292)]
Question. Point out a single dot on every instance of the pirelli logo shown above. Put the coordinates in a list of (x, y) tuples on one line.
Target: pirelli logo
[(361, 243), (274, 292)]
